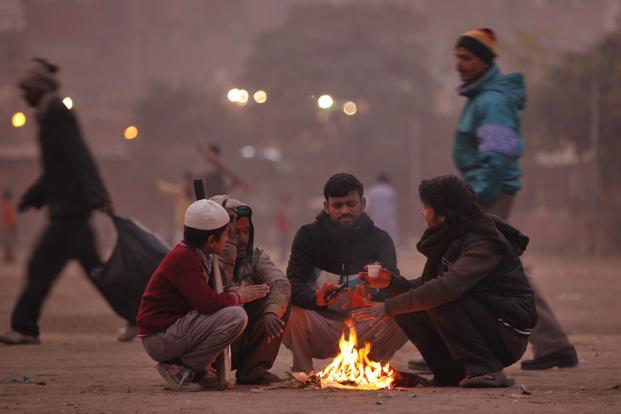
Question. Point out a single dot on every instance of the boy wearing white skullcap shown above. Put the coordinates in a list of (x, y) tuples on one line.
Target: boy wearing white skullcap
[(182, 322)]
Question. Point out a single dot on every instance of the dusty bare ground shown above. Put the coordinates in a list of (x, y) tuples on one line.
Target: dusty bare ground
[(80, 367)]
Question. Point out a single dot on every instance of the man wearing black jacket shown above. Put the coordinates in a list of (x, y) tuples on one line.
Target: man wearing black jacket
[(326, 258), (70, 186), (472, 310)]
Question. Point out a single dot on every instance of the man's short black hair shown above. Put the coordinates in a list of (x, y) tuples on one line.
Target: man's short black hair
[(382, 177), (451, 197), (197, 238), (341, 184)]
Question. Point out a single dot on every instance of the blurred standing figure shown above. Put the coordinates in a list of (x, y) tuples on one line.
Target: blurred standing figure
[(382, 206), (215, 180), (488, 144), (283, 227), (9, 226), (70, 186), (183, 194)]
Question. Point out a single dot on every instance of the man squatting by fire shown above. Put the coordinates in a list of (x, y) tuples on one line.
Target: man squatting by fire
[(242, 263), (327, 256), (471, 312)]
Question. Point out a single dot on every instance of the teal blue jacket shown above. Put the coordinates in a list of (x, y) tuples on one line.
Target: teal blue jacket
[(488, 141)]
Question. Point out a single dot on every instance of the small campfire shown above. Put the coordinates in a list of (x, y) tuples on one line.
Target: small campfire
[(352, 369)]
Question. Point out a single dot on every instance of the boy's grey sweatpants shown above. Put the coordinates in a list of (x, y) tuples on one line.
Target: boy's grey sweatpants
[(197, 339), (310, 335)]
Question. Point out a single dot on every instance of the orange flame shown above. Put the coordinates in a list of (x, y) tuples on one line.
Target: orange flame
[(353, 370)]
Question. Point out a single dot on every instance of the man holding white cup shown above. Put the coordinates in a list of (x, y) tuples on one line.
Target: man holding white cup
[(328, 267)]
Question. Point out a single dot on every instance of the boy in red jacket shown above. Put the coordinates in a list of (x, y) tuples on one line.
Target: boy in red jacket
[(182, 322)]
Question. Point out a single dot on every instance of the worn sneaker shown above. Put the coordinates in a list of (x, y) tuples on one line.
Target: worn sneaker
[(494, 380), (127, 333), (567, 358), (178, 378), (12, 337)]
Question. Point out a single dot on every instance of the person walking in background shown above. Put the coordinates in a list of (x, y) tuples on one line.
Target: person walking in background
[(183, 194), (283, 226), (221, 179), (382, 206), (71, 187), (488, 144), (9, 226)]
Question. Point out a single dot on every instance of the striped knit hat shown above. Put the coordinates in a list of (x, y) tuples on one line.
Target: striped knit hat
[(481, 42)]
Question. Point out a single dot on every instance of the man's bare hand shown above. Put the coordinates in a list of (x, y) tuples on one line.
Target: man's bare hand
[(322, 292), (274, 326), (358, 298), (382, 280), (249, 293), (376, 313)]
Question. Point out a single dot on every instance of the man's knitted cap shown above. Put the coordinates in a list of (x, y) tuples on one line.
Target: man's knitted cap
[(480, 42)]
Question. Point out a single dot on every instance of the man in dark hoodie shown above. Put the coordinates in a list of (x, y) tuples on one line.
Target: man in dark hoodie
[(471, 311), (488, 144), (243, 263), (326, 257)]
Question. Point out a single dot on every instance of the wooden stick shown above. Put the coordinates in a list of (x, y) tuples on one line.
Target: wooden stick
[(223, 361)]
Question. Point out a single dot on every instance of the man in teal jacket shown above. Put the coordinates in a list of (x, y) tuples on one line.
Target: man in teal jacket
[(488, 141), (488, 144)]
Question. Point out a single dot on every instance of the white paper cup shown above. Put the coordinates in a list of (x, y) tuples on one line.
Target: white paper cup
[(373, 270)]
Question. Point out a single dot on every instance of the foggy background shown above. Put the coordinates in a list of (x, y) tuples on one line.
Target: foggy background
[(166, 67)]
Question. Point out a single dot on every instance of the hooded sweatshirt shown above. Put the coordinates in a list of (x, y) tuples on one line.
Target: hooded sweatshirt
[(479, 257), (488, 141), (255, 267), (325, 247)]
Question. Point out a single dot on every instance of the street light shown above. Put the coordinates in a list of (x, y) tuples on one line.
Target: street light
[(248, 151), (233, 95), (68, 102), (272, 154), (130, 133), (18, 119), (243, 97), (325, 101), (260, 96), (350, 108)]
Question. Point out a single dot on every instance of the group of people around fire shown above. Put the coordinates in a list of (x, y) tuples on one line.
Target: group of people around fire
[(470, 313)]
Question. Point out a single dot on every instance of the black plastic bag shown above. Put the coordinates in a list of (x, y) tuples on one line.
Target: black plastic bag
[(123, 278)]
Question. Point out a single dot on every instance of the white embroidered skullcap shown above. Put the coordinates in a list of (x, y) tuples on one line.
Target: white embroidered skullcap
[(206, 215)]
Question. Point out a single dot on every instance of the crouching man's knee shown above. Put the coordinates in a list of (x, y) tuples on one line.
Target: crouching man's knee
[(236, 319)]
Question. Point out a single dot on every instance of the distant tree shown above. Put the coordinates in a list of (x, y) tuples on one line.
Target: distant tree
[(560, 113), (368, 52)]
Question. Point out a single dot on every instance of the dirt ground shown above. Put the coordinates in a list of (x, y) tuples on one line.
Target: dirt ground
[(80, 367)]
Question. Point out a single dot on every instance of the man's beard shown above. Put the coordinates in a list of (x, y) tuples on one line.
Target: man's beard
[(242, 250), (346, 216)]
